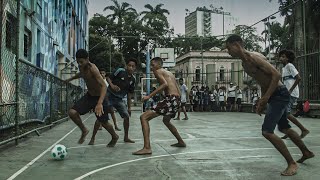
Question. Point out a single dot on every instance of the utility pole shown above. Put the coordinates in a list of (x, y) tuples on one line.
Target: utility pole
[(202, 71)]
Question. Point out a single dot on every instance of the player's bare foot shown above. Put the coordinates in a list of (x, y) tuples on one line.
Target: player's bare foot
[(143, 152), (305, 157), (304, 133), (291, 170), (91, 142), (127, 140), (179, 145), (113, 141), (118, 129), (83, 136)]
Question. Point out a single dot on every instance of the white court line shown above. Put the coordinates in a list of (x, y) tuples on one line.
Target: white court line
[(166, 155), (40, 155), (191, 138)]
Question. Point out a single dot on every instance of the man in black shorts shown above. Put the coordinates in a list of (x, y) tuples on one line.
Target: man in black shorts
[(94, 99), (167, 107)]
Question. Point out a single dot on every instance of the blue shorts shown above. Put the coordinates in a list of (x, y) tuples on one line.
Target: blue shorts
[(277, 111), (118, 104), (291, 102)]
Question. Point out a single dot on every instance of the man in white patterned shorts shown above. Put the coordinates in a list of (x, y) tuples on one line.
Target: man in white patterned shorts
[(167, 107)]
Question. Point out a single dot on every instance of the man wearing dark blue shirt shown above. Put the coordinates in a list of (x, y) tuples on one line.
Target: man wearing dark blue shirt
[(122, 83)]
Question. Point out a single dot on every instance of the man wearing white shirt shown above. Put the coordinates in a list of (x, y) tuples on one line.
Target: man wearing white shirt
[(291, 79), (184, 94), (239, 98), (231, 96)]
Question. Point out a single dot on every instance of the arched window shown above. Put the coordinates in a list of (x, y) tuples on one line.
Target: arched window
[(198, 73), (222, 71)]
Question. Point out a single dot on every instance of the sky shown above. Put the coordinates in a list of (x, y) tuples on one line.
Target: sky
[(248, 12)]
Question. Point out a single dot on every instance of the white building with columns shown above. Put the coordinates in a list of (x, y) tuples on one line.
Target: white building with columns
[(214, 67)]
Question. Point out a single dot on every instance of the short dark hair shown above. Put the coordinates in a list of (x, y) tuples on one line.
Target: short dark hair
[(102, 69), (158, 59), (82, 53), (289, 54), (234, 38), (132, 60), (181, 79)]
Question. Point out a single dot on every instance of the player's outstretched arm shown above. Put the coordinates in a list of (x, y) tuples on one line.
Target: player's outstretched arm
[(163, 84), (77, 76)]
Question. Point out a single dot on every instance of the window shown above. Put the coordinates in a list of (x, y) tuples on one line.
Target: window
[(198, 73), (25, 45), (222, 73), (39, 10), (46, 14), (38, 41), (10, 32), (232, 72)]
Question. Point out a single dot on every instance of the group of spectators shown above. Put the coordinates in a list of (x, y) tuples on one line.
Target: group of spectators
[(218, 98)]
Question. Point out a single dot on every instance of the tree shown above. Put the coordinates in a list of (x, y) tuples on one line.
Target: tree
[(250, 38), (279, 37), (99, 51), (101, 25), (184, 44), (156, 25), (118, 15), (155, 18)]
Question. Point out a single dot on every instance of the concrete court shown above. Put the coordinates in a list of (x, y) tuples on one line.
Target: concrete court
[(219, 146)]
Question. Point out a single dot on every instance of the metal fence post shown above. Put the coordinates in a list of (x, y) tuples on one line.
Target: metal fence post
[(66, 98), (61, 99), (17, 72), (51, 99)]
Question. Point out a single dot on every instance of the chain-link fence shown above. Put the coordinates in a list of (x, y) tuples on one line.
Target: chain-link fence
[(30, 98), (309, 66), (43, 99)]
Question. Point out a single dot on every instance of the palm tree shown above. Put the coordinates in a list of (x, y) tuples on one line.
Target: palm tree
[(156, 19), (155, 14), (279, 37), (118, 15)]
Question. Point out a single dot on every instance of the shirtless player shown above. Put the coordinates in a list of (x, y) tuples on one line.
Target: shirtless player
[(167, 107), (95, 98), (276, 95)]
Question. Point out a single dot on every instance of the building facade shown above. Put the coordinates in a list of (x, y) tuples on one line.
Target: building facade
[(50, 32), (210, 68), (204, 22)]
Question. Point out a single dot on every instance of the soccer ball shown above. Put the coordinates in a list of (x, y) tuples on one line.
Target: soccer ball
[(59, 152)]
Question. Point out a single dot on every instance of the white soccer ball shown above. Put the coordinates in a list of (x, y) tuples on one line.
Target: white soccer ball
[(59, 152)]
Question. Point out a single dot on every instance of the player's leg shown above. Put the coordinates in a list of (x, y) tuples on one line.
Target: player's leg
[(96, 127), (144, 119), (81, 107), (114, 119)]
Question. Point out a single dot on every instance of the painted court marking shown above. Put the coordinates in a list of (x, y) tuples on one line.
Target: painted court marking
[(192, 138), (166, 155), (43, 153)]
